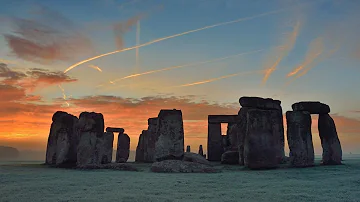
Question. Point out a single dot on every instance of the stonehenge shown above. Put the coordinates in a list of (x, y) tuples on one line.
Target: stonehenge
[(80, 142), (254, 138)]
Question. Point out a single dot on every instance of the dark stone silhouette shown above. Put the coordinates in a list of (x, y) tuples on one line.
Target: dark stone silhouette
[(241, 132), (140, 149), (63, 140), (188, 148), (201, 151), (106, 147), (332, 152), (217, 144), (170, 143), (260, 103), (230, 157), (91, 149), (232, 134), (123, 148), (260, 149), (151, 138), (300, 138), (311, 107), (114, 130)]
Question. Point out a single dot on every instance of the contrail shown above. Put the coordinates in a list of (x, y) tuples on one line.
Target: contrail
[(186, 65), (316, 48), (176, 35), (95, 67), (219, 78), (64, 95), (137, 44), (284, 50)]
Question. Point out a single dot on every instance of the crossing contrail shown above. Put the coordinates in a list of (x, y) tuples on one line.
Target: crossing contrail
[(185, 65), (177, 35), (95, 67)]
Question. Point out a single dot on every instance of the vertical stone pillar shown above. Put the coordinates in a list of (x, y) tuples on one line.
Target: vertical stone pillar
[(332, 152), (188, 148), (215, 148), (299, 138)]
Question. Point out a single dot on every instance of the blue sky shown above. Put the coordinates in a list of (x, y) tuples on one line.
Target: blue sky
[(333, 79)]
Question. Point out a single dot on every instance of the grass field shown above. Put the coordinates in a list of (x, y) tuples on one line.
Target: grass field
[(30, 181)]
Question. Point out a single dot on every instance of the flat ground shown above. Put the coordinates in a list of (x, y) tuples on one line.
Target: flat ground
[(33, 182)]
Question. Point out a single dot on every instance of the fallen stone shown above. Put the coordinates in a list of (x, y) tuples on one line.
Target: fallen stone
[(311, 107), (123, 148), (170, 143), (178, 166), (230, 157), (115, 130), (332, 152), (299, 138), (110, 166), (260, 103), (196, 158), (260, 149)]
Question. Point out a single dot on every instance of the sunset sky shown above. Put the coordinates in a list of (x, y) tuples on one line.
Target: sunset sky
[(284, 49)]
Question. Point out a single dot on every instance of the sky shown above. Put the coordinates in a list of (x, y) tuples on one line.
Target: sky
[(199, 56)]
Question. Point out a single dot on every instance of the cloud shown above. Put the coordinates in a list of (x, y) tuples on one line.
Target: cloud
[(46, 39), (49, 77), (9, 75)]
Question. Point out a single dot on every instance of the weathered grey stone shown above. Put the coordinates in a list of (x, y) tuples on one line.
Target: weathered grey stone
[(140, 150), (230, 157), (106, 147), (241, 132), (232, 133), (114, 130), (90, 150), (178, 166), (123, 148), (260, 103), (63, 140), (150, 139), (170, 143), (260, 149), (188, 148), (225, 143), (197, 158), (332, 152), (299, 138), (277, 122), (215, 145), (312, 107)]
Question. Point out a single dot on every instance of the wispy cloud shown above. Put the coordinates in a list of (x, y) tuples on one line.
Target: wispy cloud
[(47, 38)]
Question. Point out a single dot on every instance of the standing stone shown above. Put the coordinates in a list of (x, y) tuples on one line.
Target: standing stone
[(170, 143), (106, 147), (63, 140), (201, 151), (91, 129), (277, 122), (151, 138), (123, 148), (225, 143), (233, 138), (241, 132), (215, 147), (188, 148), (332, 152), (299, 138), (230, 157), (140, 150), (260, 148)]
